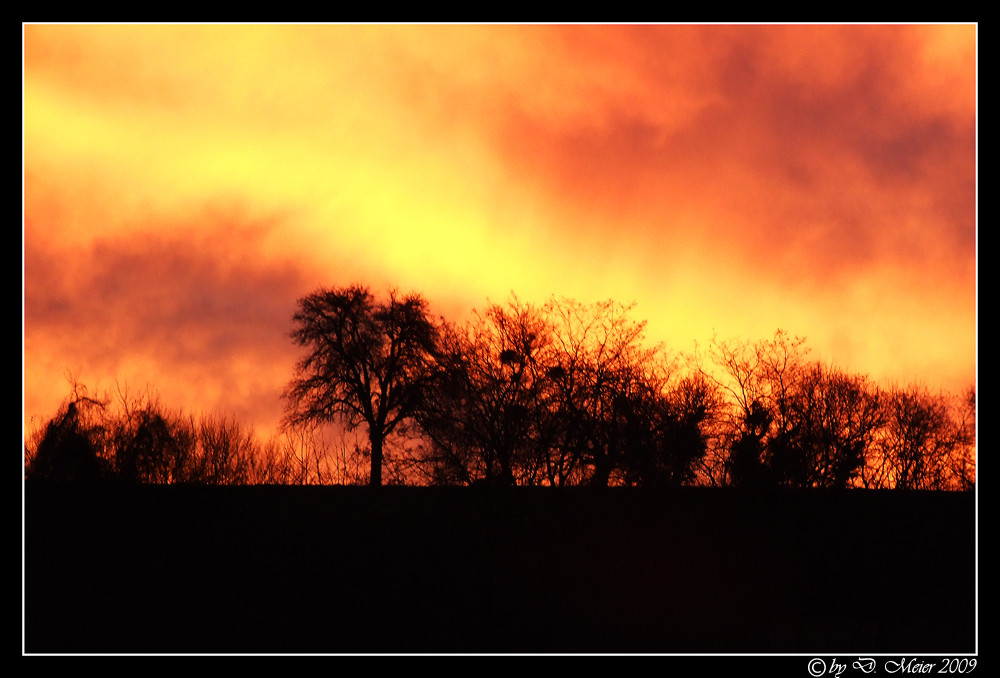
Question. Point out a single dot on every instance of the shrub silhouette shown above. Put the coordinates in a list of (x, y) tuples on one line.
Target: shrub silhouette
[(69, 450)]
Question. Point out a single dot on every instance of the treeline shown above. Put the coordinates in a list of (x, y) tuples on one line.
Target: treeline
[(563, 394), (136, 439)]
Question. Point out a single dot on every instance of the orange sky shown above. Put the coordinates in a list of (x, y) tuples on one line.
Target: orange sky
[(185, 184)]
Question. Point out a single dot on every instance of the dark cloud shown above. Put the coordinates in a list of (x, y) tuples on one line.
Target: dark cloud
[(200, 303)]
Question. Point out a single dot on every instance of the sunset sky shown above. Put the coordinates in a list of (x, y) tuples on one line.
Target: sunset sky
[(184, 185)]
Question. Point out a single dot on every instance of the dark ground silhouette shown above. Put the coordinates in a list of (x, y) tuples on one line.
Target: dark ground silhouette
[(195, 569)]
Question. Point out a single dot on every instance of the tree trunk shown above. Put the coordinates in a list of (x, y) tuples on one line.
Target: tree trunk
[(375, 478)]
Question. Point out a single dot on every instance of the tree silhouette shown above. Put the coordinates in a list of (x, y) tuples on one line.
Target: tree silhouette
[(499, 413), (71, 446), (560, 394), (962, 464), (608, 390), (368, 363), (925, 444), (482, 418), (795, 422), (149, 445), (665, 440), (832, 424)]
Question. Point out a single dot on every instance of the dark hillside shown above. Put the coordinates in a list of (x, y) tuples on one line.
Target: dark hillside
[(343, 570)]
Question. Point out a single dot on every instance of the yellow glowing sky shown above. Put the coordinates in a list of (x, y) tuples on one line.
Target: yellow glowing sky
[(185, 184)]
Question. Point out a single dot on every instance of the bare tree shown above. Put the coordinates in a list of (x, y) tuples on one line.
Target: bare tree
[(758, 379), (228, 451), (149, 444), (560, 395), (793, 421), (599, 372), (963, 459), (927, 443), (481, 419), (368, 363), (832, 424)]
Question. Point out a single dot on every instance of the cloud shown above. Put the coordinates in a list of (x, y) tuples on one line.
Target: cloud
[(184, 184), (191, 309), (791, 138)]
